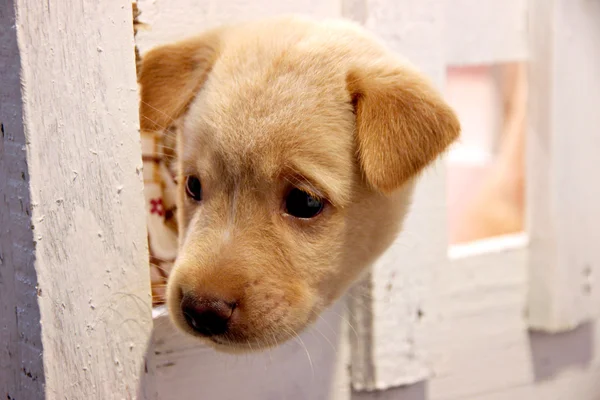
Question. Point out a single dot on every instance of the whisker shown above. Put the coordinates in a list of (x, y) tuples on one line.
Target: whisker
[(161, 269), (156, 109), (316, 329), (297, 338)]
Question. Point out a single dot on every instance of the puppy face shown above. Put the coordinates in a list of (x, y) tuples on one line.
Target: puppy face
[(298, 143)]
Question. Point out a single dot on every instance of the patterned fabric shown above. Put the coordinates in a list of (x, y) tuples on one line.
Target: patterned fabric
[(160, 191)]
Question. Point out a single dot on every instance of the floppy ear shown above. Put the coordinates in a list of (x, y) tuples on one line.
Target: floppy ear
[(171, 75), (402, 123)]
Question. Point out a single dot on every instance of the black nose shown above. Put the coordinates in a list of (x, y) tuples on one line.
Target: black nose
[(207, 316)]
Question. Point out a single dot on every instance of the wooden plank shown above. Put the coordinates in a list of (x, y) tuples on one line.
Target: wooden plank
[(412, 392), (313, 366), (171, 20), (481, 341), (485, 31), (73, 245), (477, 32), (485, 347), (392, 312), (582, 386), (482, 350), (562, 162)]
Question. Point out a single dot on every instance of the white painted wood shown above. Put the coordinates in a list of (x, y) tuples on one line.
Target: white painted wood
[(485, 31), (171, 20), (481, 344), (392, 312), (562, 155), (482, 350), (585, 385), (313, 366), (74, 284)]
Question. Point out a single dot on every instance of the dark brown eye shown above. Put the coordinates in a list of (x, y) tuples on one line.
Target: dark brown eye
[(300, 204), (193, 188)]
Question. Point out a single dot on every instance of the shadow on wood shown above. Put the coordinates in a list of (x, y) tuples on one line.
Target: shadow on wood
[(418, 391), (21, 364), (552, 354)]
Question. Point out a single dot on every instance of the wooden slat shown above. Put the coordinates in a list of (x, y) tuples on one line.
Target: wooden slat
[(582, 386), (481, 344), (485, 31), (73, 256), (171, 20), (562, 157), (313, 366)]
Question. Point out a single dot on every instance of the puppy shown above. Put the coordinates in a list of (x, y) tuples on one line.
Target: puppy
[(297, 149)]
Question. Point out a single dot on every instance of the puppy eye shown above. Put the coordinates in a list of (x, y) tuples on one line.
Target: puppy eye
[(193, 187), (300, 204)]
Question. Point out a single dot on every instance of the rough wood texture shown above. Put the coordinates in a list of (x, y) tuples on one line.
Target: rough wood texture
[(73, 230), (562, 155)]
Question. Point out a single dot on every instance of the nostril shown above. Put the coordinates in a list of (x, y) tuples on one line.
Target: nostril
[(207, 316)]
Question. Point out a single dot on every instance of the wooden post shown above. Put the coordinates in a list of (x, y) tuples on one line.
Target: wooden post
[(75, 301), (563, 194)]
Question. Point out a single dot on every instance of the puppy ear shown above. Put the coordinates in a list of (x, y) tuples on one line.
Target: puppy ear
[(171, 75), (402, 124)]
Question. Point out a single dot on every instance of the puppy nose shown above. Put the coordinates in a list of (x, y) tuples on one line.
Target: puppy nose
[(207, 316)]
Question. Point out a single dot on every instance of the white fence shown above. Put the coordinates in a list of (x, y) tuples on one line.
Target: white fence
[(429, 324)]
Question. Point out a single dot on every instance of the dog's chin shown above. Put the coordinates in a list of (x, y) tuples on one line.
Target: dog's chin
[(233, 343), (225, 345)]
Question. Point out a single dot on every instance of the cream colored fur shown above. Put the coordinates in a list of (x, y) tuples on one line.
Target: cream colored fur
[(266, 106)]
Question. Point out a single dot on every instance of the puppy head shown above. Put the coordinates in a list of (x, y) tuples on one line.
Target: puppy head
[(297, 148)]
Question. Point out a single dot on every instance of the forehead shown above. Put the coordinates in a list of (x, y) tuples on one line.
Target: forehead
[(262, 113)]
